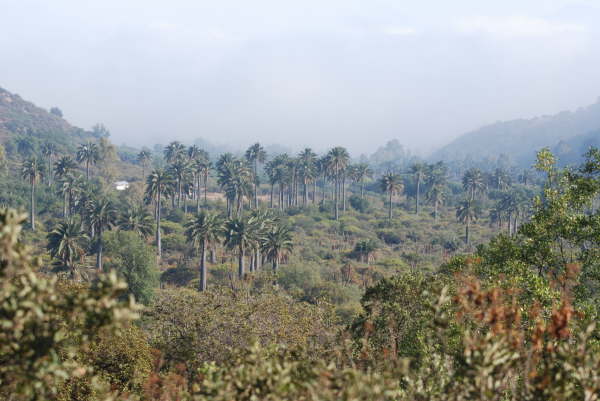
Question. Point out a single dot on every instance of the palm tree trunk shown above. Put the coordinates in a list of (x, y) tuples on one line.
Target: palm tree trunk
[(390, 208), (205, 187), (241, 270), (435, 211), (344, 193), (271, 200), (314, 198), (362, 189), (213, 255), (158, 238), (467, 232), (99, 252), (417, 197), (203, 266), (335, 197), (275, 262), (87, 170), (65, 204), (33, 204), (255, 179), (257, 265)]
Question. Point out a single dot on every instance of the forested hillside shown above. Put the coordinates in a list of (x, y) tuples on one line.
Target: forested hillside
[(277, 276), (521, 139)]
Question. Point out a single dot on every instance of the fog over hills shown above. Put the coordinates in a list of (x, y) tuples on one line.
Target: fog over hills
[(571, 133)]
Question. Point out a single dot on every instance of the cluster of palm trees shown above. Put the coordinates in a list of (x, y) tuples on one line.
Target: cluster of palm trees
[(258, 234), (431, 176)]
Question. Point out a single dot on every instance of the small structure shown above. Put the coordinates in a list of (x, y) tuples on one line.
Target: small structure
[(121, 185)]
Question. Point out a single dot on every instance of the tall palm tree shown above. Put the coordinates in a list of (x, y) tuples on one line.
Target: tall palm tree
[(193, 152), (89, 154), (102, 216), (49, 151), (235, 178), (71, 185), (202, 167), (255, 154), (277, 242), (32, 169), (203, 231), (241, 233), (180, 171), (144, 158), (307, 171), (392, 184), (64, 166), (436, 196), (419, 171), (138, 220), (158, 184), (473, 182), (174, 151), (337, 161), (467, 213), (364, 249), (360, 172), (66, 243)]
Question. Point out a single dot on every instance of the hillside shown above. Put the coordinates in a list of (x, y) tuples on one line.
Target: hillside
[(19, 117), (520, 139)]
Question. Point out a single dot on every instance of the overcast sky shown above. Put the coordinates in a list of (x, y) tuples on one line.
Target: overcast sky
[(305, 73)]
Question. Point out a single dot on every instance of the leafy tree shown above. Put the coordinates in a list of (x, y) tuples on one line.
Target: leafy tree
[(56, 111), (25, 147), (392, 184), (364, 250), (31, 171), (204, 230), (129, 255)]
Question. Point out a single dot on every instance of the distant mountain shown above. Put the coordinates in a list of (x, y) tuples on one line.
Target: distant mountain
[(569, 132), (20, 118)]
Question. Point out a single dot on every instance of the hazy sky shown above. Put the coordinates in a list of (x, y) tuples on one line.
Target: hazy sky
[(310, 72)]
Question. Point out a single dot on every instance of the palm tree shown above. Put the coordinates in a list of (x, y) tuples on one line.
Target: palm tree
[(64, 166), (203, 231), (180, 170), (138, 220), (337, 161), (174, 151), (364, 249), (392, 184), (277, 242), (436, 196), (193, 152), (467, 213), (66, 243), (144, 158), (49, 151), (359, 173), (88, 153), (473, 182), (307, 161), (71, 185), (419, 171), (255, 155), (201, 167), (158, 184), (102, 216), (31, 171), (501, 179), (235, 178), (240, 233)]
